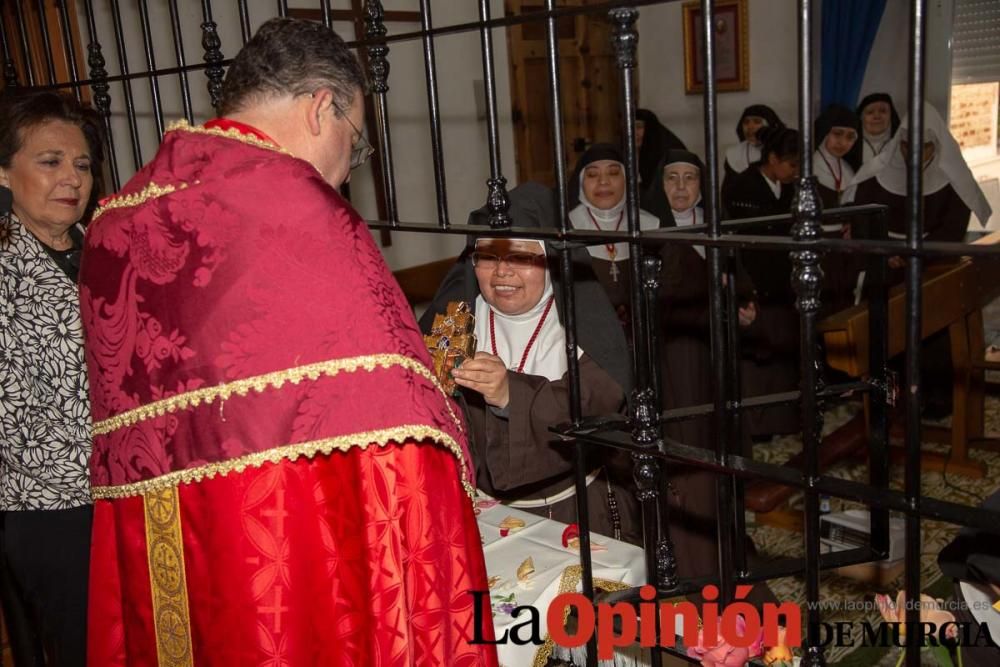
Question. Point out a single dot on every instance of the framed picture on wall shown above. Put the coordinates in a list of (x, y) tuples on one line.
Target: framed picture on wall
[(732, 46)]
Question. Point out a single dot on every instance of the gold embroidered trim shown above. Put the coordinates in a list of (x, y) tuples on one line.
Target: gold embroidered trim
[(231, 133), (151, 191), (167, 578), (341, 443), (259, 383), (571, 578)]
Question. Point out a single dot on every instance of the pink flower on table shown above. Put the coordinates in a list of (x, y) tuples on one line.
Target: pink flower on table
[(724, 654), (930, 612)]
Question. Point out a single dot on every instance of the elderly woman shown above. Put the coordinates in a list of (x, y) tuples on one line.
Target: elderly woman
[(49, 152), (516, 386), (879, 122), (686, 359)]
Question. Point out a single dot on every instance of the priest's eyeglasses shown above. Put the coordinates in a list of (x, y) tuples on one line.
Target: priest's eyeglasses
[(519, 261), (361, 149)]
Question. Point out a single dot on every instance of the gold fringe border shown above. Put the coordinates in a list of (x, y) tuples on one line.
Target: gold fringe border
[(274, 380), (341, 443), (232, 133), (151, 191), (571, 578)]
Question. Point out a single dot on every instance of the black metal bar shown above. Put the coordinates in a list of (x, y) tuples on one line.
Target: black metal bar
[(244, 20), (861, 492), (154, 84), (768, 400), (175, 27), (70, 47), (437, 147), (717, 307), (496, 200), (569, 308), (914, 315), (325, 9), (663, 572), (734, 414), (212, 44), (29, 70), (568, 296), (807, 281), (282, 8), (133, 126), (43, 25), (878, 399), (9, 69), (100, 87), (378, 65)]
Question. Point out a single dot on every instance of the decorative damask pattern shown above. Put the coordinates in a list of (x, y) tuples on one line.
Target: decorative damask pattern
[(256, 288), (259, 383)]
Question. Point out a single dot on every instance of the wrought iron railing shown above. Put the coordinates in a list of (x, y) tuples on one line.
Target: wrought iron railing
[(642, 433)]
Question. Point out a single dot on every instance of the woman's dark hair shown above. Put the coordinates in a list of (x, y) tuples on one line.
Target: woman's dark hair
[(782, 142), (291, 57), (22, 109)]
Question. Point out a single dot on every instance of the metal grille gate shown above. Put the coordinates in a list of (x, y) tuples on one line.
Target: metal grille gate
[(642, 436)]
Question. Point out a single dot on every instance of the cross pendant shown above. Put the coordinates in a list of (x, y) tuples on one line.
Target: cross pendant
[(614, 271)]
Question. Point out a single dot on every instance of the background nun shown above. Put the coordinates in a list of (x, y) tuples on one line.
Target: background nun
[(950, 190), (686, 360), (740, 156), (597, 201), (838, 152), (653, 140), (879, 122), (517, 385)]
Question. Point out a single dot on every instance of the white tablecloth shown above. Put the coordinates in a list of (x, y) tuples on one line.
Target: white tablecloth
[(555, 567)]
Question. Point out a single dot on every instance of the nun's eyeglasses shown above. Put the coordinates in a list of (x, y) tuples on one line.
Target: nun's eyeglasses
[(519, 261), (361, 149)]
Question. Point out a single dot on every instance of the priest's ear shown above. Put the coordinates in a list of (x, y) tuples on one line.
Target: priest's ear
[(320, 104)]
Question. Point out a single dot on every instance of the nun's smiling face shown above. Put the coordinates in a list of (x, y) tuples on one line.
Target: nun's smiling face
[(511, 273), (876, 117), (682, 185), (603, 183), (750, 126), (840, 140)]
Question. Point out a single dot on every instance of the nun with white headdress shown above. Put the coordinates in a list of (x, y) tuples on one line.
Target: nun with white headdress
[(950, 194), (950, 191), (597, 202), (517, 386)]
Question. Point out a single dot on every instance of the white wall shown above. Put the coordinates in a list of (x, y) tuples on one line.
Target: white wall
[(459, 69), (773, 71), (774, 65)]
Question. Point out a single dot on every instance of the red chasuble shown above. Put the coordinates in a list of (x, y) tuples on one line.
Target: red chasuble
[(279, 480)]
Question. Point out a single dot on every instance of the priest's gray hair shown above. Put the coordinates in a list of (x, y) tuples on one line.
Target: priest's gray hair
[(291, 57)]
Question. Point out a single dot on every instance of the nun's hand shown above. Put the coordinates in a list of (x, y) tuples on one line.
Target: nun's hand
[(897, 262), (487, 374)]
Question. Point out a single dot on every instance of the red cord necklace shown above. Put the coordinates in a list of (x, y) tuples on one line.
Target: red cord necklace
[(836, 177), (610, 247), (531, 341)]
